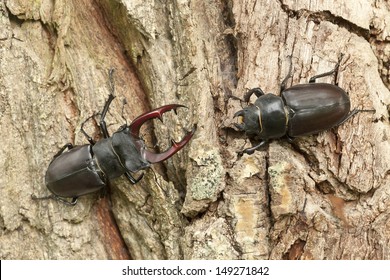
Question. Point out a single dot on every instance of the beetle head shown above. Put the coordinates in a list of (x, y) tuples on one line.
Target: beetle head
[(130, 148), (249, 120), (265, 119)]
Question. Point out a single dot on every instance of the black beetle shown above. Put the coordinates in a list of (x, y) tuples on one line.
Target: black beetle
[(301, 109), (88, 168)]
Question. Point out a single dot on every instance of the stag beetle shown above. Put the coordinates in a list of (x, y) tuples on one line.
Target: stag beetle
[(88, 168), (301, 109)]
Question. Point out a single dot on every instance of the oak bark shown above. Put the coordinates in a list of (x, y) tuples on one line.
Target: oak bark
[(324, 196)]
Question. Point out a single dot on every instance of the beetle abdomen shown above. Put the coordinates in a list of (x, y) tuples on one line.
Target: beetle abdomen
[(315, 107), (74, 173)]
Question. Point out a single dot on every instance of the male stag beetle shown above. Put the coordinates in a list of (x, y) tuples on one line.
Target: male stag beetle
[(302, 109), (88, 168)]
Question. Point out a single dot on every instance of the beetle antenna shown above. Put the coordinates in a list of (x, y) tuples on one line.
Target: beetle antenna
[(124, 102)]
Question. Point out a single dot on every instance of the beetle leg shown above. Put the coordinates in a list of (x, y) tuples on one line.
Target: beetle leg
[(353, 113), (313, 79), (102, 122), (289, 75), (251, 150), (68, 145), (67, 202), (72, 203), (52, 196), (89, 138), (257, 91), (132, 179), (290, 139), (111, 97), (329, 73)]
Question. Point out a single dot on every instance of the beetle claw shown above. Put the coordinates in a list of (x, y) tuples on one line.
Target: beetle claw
[(158, 113), (175, 147)]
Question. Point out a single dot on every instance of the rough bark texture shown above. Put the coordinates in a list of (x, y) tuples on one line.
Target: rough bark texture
[(325, 196)]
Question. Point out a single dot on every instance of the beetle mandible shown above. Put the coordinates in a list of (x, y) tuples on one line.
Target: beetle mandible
[(88, 168), (301, 109)]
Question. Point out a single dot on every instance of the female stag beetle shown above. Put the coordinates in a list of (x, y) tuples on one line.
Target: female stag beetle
[(300, 110), (88, 168)]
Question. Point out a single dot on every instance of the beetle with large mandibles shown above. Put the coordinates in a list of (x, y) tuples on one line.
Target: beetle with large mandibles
[(301, 109), (88, 168)]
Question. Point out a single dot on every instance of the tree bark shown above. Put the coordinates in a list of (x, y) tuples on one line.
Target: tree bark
[(324, 196)]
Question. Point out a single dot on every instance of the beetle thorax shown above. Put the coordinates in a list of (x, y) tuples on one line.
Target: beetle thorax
[(273, 116), (120, 153), (130, 150)]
